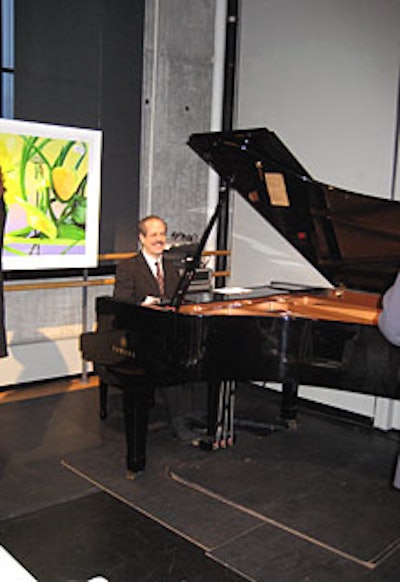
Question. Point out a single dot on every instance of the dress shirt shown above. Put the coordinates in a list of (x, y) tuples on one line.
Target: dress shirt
[(151, 261)]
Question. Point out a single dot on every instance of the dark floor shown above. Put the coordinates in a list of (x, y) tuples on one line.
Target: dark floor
[(312, 505)]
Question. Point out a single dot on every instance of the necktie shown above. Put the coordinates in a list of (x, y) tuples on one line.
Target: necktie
[(160, 279)]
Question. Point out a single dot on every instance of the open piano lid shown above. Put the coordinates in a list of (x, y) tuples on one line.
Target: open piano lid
[(352, 239)]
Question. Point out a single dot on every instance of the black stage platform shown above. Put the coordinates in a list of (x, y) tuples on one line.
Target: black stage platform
[(315, 504)]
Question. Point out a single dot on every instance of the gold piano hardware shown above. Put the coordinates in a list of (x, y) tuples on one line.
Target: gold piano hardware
[(348, 306)]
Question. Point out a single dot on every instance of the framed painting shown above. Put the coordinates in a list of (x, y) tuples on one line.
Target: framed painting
[(52, 179)]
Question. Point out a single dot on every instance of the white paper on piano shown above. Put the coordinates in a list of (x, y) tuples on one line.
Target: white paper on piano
[(232, 290), (151, 300)]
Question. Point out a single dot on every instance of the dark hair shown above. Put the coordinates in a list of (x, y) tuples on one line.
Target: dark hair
[(142, 223)]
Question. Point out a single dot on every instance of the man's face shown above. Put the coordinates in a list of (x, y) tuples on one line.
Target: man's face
[(153, 242)]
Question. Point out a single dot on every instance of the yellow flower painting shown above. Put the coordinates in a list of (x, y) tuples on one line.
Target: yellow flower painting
[(47, 192)]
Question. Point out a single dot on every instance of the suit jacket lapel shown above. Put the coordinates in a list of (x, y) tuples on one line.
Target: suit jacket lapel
[(147, 276)]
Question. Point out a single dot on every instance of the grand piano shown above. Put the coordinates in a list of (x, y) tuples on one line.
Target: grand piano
[(285, 333)]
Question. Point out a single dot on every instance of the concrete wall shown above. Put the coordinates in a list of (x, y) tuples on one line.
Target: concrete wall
[(177, 101)]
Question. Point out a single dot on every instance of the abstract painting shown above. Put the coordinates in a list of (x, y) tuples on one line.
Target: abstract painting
[(52, 179)]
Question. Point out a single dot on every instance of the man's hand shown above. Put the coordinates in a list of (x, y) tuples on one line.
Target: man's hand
[(151, 300)]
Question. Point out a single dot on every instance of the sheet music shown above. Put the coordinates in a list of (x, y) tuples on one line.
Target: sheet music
[(232, 290)]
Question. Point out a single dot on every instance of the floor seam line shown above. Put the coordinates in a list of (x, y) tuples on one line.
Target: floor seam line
[(133, 506), (385, 554), (365, 564)]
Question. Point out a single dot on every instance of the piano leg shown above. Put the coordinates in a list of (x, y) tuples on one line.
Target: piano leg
[(103, 390), (289, 403), (136, 400), (396, 478)]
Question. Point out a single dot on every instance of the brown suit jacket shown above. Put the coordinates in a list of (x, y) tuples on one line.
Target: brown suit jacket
[(135, 280)]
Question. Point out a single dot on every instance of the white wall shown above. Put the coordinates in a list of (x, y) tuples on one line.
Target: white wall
[(324, 75), (43, 331)]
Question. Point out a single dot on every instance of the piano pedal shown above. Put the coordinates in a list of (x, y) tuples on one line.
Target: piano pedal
[(289, 423), (211, 444)]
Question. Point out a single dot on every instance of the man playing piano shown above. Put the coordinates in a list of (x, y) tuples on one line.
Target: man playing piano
[(149, 279)]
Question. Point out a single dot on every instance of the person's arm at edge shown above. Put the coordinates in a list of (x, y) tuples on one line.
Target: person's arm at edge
[(389, 319)]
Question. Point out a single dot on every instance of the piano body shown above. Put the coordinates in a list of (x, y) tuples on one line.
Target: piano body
[(325, 337)]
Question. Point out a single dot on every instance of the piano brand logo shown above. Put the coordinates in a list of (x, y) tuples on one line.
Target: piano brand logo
[(122, 348)]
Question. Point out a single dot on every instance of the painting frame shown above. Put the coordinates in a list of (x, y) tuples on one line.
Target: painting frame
[(52, 176)]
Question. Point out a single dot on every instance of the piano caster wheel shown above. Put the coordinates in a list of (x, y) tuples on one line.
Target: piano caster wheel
[(290, 424), (133, 475)]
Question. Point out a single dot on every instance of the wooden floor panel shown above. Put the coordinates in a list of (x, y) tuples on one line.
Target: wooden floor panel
[(47, 388)]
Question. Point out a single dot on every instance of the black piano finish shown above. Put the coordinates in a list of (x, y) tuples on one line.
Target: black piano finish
[(180, 347), (256, 339), (316, 337), (352, 239)]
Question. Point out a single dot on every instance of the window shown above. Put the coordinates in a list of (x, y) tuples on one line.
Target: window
[(7, 59)]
